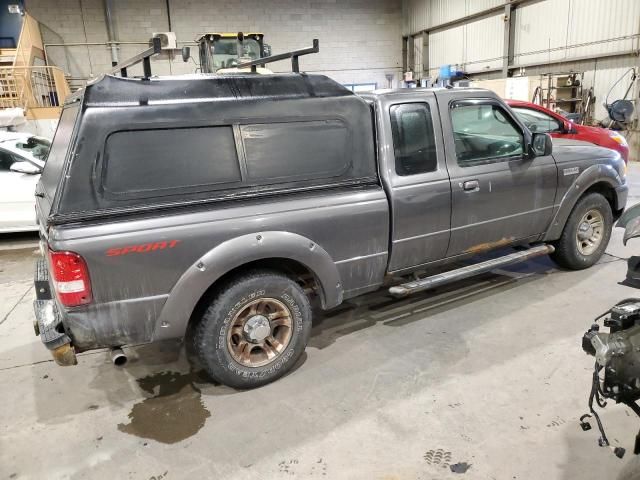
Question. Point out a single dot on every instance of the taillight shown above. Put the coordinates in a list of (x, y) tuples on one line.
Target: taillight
[(70, 278)]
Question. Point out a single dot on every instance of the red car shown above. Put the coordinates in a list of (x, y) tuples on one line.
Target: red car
[(540, 119)]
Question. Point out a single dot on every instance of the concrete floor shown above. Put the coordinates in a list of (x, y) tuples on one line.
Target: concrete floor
[(488, 372)]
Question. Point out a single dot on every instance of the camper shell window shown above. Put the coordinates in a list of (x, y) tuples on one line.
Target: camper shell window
[(170, 161), (165, 162), (294, 151)]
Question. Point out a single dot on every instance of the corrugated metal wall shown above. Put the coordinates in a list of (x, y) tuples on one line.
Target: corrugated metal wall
[(419, 15), (545, 32), (484, 43), (540, 31), (595, 21), (475, 46), (558, 30)]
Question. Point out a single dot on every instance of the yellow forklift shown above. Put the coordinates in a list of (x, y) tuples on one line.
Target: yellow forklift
[(223, 52)]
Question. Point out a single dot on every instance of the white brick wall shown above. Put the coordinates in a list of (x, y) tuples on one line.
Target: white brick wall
[(360, 40)]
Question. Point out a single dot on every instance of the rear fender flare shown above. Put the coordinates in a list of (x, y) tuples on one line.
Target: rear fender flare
[(590, 176), (234, 253)]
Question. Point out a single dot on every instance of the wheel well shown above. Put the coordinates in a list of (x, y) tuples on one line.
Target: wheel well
[(607, 192), (291, 268)]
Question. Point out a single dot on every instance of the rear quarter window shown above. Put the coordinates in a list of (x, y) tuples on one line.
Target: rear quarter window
[(167, 161)]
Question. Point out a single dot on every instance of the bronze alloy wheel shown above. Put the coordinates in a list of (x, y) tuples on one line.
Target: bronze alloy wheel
[(260, 332), (590, 232)]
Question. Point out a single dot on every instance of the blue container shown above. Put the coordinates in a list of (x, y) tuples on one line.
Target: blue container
[(445, 71)]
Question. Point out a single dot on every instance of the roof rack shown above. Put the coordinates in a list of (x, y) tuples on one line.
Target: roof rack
[(144, 57), (156, 48), (295, 66)]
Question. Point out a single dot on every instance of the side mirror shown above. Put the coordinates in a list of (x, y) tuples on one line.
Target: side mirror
[(186, 54), (24, 167), (541, 144), (267, 50)]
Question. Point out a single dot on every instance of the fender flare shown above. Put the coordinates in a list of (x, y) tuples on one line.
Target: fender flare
[(600, 173), (238, 251)]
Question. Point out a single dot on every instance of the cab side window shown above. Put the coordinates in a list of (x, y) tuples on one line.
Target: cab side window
[(413, 139), (484, 133)]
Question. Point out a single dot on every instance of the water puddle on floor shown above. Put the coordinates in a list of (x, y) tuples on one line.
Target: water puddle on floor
[(174, 412)]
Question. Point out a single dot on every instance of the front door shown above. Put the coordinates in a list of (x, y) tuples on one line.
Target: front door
[(499, 193), (416, 180)]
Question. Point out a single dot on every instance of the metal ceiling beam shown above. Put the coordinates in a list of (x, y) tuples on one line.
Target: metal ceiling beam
[(425, 53), (583, 58), (559, 62), (509, 37)]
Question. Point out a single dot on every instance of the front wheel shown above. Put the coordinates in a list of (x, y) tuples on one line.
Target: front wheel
[(254, 330), (586, 233)]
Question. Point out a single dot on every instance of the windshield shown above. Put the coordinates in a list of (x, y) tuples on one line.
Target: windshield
[(224, 52)]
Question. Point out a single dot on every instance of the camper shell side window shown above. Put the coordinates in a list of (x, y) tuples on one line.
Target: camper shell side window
[(165, 162)]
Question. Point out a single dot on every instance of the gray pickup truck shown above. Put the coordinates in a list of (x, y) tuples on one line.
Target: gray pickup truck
[(220, 209)]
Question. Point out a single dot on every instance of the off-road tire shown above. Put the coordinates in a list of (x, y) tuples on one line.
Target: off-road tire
[(567, 253), (210, 332)]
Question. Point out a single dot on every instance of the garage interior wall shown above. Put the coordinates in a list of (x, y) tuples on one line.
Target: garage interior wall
[(599, 38), (360, 41)]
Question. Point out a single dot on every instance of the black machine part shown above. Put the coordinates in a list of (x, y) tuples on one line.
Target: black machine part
[(616, 374), (621, 110)]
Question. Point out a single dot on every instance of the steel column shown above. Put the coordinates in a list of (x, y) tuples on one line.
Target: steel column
[(509, 38)]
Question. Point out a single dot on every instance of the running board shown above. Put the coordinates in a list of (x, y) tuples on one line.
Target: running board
[(469, 271)]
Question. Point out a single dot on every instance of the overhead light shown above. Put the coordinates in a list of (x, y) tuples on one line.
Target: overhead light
[(15, 8)]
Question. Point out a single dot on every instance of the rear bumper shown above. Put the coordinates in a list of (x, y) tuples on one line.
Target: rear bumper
[(49, 321)]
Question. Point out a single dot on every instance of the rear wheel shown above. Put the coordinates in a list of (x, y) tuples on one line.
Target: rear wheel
[(254, 330), (586, 233)]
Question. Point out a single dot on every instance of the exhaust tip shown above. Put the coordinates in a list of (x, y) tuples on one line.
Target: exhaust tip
[(118, 357)]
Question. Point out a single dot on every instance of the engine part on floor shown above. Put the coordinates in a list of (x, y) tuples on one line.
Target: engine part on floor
[(118, 357), (616, 373)]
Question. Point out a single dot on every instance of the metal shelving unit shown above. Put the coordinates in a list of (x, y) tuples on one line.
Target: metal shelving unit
[(562, 91)]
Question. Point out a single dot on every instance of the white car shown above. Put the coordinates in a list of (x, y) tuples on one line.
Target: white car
[(22, 157)]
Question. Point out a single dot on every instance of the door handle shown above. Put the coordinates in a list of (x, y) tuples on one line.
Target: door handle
[(471, 186)]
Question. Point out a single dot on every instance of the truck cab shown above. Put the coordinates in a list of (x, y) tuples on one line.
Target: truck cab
[(459, 178)]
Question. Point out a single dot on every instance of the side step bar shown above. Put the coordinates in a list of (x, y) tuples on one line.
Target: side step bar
[(469, 271)]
